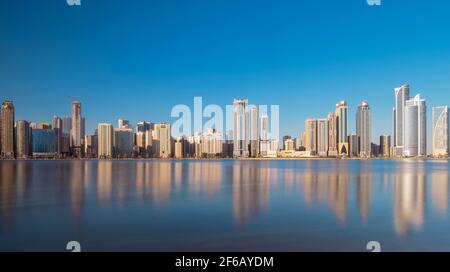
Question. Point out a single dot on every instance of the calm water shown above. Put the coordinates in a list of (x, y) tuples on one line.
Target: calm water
[(327, 205)]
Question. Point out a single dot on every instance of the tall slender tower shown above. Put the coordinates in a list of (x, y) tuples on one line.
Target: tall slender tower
[(105, 141), (401, 96), (322, 146), (254, 132), (240, 149), (7, 130), (415, 127), (23, 140), (342, 117), (441, 131), (363, 129), (311, 135), (332, 135), (264, 143), (76, 128)]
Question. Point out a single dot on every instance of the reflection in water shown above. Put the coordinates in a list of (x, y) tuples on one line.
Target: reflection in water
[(250, 190), (440, 191), (57, 190), (409, 197)]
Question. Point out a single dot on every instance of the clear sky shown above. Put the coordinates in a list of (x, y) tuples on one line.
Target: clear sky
[(137, 59)]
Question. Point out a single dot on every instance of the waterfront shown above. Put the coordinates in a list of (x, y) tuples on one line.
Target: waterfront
[(225, 205)]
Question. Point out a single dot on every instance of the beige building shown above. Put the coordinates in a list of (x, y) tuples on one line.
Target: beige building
[(162, 141), (211, 142), (342, 120), (385, 146), (105, 141), (332, 135), (254, 132), (311, 136), (289, 145), (178, 148)]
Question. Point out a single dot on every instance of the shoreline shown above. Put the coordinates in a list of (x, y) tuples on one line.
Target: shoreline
[(231, 159)]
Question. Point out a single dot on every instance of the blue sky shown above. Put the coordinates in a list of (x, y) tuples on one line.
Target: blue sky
[(137, 59)]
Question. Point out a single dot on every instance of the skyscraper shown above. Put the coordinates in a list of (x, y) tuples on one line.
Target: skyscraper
[(254, 132), (240, 149), (76, 128), (401, 96), (105, 141), (311, 136), (23, 140), (322, 146), (123, 142), (57, 126), (441, 131), (143, 126), (385, 145), (415, 127), (7, 130), (353, 146), (163, 140), (342, 117), (264, 143), (66, 125), (332, 135), (363, 129)]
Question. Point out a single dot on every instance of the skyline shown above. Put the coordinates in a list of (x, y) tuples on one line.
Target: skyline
[(220, 51), (409, 121)]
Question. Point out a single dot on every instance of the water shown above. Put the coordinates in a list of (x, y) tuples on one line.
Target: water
[(320, 205)]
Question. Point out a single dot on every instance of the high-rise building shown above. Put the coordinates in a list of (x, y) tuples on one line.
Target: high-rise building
[(122, 123), (332, 134), (123, 142), (285, 137), (254, 132), (58, 126), (240, 149), (415, 127), (385, 145), (322, 133), (211, 142), (91, 146), (149, 143), (44, 143), (178, 148), (105, 141), (66, 125), (289, 145), (441, 131), (24, 144), (7, 130), (363, 129), (76, 129), (311, 136), (162, 141), (143, 126), (342, 117), (353, 141), (264, 142), (401, 96)]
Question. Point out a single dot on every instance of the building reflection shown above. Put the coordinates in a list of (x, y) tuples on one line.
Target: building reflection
[(250, 189), (363, 190), (205, 177), (409, 196), (439, 191)]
